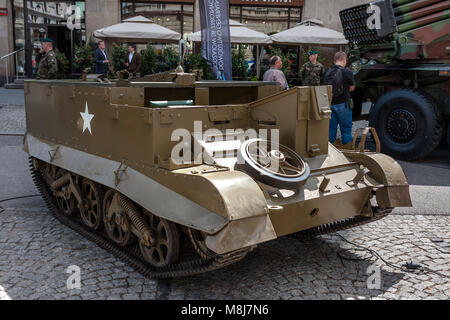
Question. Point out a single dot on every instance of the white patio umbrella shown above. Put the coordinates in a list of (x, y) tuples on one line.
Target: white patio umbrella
[(137, 29), (242, 35), (238, 34), (310, 31)]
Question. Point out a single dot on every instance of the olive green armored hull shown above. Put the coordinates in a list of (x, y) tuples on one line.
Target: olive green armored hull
[(108, 154)]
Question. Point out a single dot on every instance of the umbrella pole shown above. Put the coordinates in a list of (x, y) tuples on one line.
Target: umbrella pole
[(258, 60), (299, 61)]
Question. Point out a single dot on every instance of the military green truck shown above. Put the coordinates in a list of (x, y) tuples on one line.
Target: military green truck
[(400, 54)]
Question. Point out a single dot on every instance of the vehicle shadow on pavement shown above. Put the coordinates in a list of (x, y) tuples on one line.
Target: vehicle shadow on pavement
[(291, 269)]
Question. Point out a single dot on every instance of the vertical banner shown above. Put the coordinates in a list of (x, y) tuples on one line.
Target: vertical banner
[(216, 46)]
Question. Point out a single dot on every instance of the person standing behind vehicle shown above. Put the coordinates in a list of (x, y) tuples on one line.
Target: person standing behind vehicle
[(101, 62), (134, 61), (274, 74), (312, 71), (48, 66), (343, 83)]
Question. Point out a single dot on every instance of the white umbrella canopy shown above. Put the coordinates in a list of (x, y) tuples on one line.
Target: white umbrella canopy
[(238, 34), (309, 32), (137, 29)]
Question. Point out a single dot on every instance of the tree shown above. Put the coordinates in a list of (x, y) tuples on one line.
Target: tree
[(149, 60), (84, 57), (119, 56), (63, 64), (239, 64), (196, 61), (171, 57)]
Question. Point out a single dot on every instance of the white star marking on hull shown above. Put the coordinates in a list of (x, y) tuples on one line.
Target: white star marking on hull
[(87, 119)]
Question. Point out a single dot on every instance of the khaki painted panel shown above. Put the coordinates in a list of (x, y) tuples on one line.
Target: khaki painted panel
[(231, 194), (118, 132), (297, 216), (184, 118), (241, 234), (127, 96)]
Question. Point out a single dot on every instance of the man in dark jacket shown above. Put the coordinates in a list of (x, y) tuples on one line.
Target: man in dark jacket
[(101, 59), (343, 83), (133, 62)]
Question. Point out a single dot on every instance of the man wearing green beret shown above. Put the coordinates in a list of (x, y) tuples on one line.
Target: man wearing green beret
[(312, 71), (48, 66)]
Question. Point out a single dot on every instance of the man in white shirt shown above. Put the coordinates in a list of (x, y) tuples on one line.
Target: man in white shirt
[(133, 62)]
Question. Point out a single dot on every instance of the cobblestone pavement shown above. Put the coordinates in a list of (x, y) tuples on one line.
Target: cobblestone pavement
[(12, 119), (36, 251), (12, 111)]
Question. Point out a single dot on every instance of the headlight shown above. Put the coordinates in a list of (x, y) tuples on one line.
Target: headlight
[(355, 66), (372, 62)]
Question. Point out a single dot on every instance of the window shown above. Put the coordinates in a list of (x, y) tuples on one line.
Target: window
[(295, 16), (62, 21), (19, 35), (175, 16), (268, 20), (188, 19)]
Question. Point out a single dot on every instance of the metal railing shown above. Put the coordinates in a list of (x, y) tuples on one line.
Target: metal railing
[(6, 60)]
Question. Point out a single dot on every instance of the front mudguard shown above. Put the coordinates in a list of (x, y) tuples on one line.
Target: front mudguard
[(394, 191)]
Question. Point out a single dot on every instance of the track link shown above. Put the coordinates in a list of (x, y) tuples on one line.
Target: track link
[(344, 224)]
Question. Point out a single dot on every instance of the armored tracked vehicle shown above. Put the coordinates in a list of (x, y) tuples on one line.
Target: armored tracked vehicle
[(183, 177), (400, 52)]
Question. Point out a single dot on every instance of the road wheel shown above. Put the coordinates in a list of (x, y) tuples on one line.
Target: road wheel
[(410, 124), (92, 204), (166, 248), (115, 219)]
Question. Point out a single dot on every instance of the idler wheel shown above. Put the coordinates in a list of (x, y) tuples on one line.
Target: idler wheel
[(66, 201), (166, 247), (198, 239), (273, 164), (91, 208), (116, 221)]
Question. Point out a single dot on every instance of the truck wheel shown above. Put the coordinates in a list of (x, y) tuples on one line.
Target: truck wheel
[(409, 123)]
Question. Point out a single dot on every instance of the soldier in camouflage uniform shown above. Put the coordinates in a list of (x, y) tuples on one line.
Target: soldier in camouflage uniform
[(312, 71), (48, 66)]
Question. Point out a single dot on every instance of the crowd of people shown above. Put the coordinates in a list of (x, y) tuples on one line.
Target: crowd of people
[(313, 73)]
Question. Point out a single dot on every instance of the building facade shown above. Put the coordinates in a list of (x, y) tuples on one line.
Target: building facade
[(328, 11), (70, 23)]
